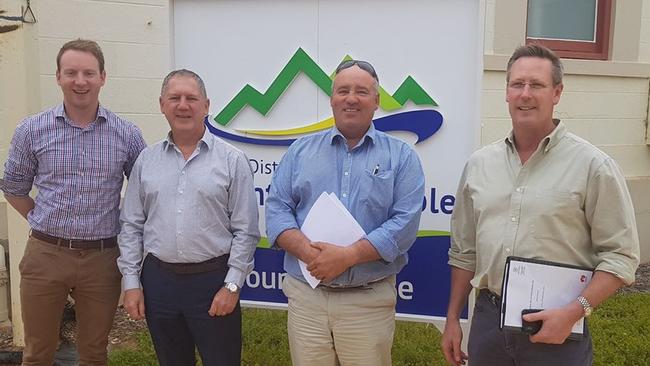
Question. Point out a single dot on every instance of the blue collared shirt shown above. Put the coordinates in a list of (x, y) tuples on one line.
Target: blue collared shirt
[(78, 171), (380, 181), (189, 211)]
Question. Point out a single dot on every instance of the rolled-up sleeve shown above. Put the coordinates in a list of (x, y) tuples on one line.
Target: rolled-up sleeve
[(395, 236), (244, 220), (462, 252), (280, 205), (132, 220), (609, 211), (21, 164)]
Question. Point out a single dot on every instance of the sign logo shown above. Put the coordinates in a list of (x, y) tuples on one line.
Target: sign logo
[(423, 122)]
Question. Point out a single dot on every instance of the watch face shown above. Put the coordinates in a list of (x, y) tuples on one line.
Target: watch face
[(232, 287)]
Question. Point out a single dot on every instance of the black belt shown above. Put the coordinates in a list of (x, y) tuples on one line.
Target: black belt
[(491, 296), (75, 243), (211, 265)]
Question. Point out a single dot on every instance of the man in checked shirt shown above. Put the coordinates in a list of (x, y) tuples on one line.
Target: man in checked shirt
[(77, 154)]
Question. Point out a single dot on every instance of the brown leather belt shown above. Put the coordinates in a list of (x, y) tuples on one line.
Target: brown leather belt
[(75, 243), (211, 265), (339, 288)]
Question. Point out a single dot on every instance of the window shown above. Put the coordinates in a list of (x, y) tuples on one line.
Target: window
[(573, 29)]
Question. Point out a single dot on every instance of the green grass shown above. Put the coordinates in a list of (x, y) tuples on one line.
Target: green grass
[(620, 328)]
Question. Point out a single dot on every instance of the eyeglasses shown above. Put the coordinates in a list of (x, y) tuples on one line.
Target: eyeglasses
[(363, 65), (520, 85)]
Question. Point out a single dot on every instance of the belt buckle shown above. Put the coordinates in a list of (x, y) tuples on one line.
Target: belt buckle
[(70, 244), (494, 299)]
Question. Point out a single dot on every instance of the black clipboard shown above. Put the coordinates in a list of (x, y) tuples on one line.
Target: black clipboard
[(579, 272)]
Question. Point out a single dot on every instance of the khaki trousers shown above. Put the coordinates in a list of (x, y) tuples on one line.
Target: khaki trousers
[(48, 274), (341, 326)]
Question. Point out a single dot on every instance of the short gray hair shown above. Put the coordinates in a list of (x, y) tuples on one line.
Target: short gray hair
[(184, 73)]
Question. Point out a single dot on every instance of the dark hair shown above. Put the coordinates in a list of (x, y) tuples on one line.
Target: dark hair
[(185, 73), (539, 51), (83, 45)]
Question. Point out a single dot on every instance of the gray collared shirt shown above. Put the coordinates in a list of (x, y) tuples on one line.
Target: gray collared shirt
[(568, 203), (189, 211)]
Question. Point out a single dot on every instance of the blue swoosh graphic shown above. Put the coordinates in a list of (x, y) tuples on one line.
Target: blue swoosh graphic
[(423, 123)]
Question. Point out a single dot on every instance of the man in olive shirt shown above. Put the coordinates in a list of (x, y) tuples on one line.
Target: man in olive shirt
[(540, 193)]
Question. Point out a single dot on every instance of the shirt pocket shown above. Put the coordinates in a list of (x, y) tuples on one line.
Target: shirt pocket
[(376, 192), (554, 214)]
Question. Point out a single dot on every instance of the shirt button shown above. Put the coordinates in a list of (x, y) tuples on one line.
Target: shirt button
[(513, 219), (180, 191), (508, 250), (346, 173), (179, 211), (344, 195), (519, 189), (183, 172), (81, 174)]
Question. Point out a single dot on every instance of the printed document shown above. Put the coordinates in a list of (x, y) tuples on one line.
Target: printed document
[(329, 221), (537, 284)]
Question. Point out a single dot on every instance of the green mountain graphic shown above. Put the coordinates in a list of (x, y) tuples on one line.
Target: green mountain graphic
[(300, 61)]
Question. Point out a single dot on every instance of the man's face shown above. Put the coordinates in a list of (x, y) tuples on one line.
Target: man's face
[(80, 79), (183, 105), (354, 101), (530, 93)]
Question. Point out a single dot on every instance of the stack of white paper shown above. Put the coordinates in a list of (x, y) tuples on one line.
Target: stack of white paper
[(330, 222)]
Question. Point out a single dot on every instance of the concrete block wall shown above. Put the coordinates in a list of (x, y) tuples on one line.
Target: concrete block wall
[(644, 40), (135, 38)]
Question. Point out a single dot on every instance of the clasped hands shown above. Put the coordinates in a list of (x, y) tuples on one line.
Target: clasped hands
[(326, 261)]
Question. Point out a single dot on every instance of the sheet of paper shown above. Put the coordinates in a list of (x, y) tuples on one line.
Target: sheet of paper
[(541, 286), (329, 221)]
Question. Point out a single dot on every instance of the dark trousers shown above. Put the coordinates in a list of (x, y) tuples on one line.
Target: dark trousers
[(488, 345), (176, 308)]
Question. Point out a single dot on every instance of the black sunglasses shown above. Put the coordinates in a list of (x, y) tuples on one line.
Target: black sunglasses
[(363, 65)]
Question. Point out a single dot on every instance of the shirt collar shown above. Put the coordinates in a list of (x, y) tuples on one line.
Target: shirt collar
[(370, 135), (59, 112), (205, 139), (547, 142)]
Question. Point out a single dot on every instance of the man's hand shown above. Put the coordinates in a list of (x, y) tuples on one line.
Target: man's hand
[(310, 253), (556, 323), (450, 343), (330, 262), (134, 303), (224, 303)]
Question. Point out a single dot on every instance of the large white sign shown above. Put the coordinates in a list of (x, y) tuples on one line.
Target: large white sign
[(267, 66)]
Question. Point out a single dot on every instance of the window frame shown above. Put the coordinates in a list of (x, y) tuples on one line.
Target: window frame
[(598, 50)]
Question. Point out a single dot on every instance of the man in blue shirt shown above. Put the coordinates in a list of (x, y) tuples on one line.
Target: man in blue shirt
[(349, 318)]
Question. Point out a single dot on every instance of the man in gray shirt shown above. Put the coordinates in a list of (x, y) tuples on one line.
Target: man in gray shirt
[(189, 232)]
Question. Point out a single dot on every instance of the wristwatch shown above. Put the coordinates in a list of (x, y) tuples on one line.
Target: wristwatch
[(231, 287), (586, 306)]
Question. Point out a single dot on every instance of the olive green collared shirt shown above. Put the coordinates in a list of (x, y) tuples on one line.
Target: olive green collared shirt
[(568, 203)]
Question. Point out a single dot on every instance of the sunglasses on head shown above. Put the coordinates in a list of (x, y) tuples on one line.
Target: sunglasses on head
[(363, 65)]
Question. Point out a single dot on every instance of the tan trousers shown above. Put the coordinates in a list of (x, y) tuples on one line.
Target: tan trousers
[(48, 274), (341, 327)]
